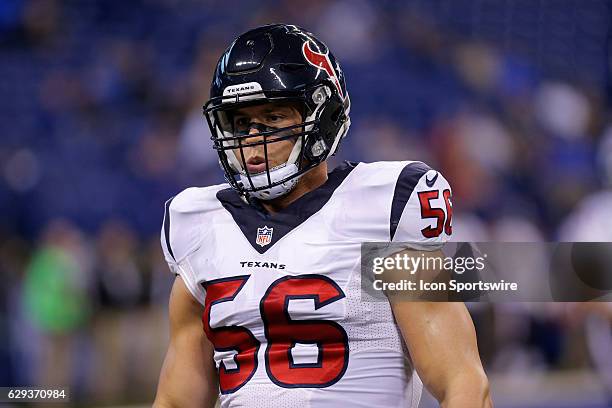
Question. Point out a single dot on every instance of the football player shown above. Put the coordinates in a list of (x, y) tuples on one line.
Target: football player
[(268, 310)]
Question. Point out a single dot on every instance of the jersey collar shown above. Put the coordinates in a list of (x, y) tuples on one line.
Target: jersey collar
[(255, 222)]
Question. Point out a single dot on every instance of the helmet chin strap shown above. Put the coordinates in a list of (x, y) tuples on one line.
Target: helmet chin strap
[(278, 173)]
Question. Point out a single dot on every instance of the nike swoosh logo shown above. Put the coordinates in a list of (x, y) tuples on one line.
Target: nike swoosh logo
[(430, 183)]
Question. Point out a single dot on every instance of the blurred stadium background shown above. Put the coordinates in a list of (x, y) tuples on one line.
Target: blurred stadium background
[(100, 123)]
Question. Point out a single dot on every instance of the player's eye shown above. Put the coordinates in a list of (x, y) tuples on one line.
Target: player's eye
[(275, 117), (241, 122)]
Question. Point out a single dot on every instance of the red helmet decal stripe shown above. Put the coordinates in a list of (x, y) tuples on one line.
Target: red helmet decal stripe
[(321, 61)]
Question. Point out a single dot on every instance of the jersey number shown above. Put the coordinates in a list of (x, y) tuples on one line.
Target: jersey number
[(282, 334), (443, 218)]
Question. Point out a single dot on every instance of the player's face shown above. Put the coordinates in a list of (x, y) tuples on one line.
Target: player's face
[(255, 119)]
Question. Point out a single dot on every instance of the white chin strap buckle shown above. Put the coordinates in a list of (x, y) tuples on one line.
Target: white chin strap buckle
[(276, 174)]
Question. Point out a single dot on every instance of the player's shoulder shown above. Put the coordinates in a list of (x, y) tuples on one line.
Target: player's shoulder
[(407, 172), (195, 200), (398, 190), (421, 208), (184, 216), (388, 166)]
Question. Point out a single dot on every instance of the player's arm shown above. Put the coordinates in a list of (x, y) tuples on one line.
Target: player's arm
[(188, 377), (440, 335), (442, 343)]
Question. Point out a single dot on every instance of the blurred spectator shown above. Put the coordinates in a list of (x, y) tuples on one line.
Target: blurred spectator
[(58, 303), (122, 325)]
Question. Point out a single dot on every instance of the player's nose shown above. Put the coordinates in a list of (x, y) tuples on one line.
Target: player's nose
[(254, 134), (252, 137)]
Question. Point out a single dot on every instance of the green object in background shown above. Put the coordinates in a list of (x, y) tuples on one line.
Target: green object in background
[(54, 298)]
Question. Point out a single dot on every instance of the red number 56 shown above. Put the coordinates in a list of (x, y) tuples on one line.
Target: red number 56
[(443, 218), (282, 334)]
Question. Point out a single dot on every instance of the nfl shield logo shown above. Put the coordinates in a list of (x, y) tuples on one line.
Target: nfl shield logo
[(264, 236)]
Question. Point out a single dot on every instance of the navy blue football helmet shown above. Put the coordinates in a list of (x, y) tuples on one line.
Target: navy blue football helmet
[(276, 63)]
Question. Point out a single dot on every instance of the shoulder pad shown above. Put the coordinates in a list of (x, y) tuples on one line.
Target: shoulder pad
[(421, 211), (182, 228)]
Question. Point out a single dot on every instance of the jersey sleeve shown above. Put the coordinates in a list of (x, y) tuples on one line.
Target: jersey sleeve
[(421, 210), (179, 238)]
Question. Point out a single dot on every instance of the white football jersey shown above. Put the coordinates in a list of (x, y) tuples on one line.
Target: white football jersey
[(281, 292)]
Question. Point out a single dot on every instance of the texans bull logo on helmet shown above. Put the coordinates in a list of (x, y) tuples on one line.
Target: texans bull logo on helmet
[(321, 61)]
